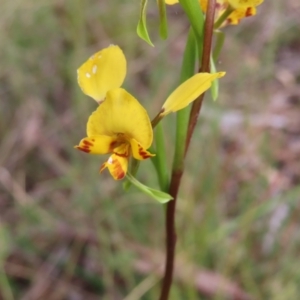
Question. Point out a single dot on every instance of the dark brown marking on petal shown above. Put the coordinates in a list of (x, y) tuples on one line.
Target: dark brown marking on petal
[(84, 149), (122, 155), (113, 145), (143, 153), (121, 175), (103, 166), (87, 143), (249, 12), (118, 172)]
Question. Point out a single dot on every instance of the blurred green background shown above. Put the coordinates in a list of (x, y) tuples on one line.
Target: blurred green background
[(67, 232)]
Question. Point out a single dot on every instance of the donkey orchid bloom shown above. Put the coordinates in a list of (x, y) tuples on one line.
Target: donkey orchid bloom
[(120, 125)]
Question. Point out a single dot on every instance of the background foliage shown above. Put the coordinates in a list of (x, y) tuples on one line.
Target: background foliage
[(67, 232)]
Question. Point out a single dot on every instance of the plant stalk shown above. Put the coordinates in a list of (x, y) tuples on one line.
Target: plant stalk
[(187, 70), (178, 168), (170, 235)]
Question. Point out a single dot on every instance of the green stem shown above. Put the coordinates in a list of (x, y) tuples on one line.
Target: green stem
[(163, 26), (223, 17), (220, 38), (161, 159), (187, 71), (215, 84), (134, 166)]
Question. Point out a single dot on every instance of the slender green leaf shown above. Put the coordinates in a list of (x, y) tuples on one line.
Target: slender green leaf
[(163, 24), (187, 71), (160, 159), (215, 84), (196, 18), (220, 39), (142, 25), (161, 197)]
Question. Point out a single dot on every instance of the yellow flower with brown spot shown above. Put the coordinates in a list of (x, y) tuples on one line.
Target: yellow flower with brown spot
[(241, 9), (120, 125)]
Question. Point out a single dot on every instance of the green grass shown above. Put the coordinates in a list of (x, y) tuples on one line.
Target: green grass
[(66, 231)]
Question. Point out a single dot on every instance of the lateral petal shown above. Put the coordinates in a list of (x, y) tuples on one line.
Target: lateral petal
[(117, 166), (100, 144), (103, 71), (189, 91), (138, 151)]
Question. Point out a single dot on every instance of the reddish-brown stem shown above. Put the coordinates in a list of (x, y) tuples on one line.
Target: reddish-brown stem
[(177, 174), (205, 67), (170, 235)]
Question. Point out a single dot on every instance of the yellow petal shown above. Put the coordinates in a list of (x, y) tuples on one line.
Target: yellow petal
[(240, 13), (138, 152), (103, 71), (122, 115), (100, 144), (171, 2), (117, 166), (189, 91), (244, 3)]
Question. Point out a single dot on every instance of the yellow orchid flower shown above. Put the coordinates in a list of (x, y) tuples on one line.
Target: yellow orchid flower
[(241, 9), (120, 125)]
